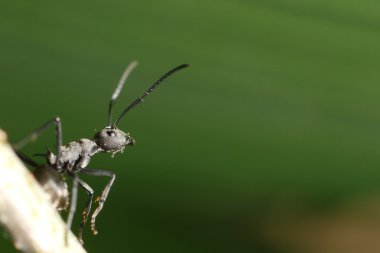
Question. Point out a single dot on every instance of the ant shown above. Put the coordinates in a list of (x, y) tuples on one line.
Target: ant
[(74, 157)]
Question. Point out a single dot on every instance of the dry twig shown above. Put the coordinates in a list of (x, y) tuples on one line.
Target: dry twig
[(25, 211)]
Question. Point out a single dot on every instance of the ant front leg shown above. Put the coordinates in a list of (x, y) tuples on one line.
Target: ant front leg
[(35, 134), (102, 198)]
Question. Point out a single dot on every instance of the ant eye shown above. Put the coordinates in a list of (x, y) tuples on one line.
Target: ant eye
[(111, 133)]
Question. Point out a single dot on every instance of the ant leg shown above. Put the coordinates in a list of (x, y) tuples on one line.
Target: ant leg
[(87, 209), (35, 134), (102, 198), (73, 204), (26, 159)]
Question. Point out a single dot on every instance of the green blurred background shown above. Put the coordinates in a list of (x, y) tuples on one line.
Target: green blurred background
[(269, 142)]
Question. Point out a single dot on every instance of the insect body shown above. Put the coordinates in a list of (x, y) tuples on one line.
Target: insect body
[(74, 157)]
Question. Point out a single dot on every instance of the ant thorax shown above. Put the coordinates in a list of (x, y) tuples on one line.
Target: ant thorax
[(75, 155)]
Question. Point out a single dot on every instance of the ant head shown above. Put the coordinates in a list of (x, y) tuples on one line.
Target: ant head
[(112, 139)]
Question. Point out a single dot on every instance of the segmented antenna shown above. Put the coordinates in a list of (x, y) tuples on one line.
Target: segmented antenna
[(119, 87), (141, 99)]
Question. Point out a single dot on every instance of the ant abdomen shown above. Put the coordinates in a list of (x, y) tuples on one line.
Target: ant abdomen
[(54, 186)]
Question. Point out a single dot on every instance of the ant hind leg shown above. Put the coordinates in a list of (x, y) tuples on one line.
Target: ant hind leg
[(26, 159), (39, 131), (73, 203)]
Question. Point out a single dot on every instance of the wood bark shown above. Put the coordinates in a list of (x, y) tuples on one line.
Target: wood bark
[(34, 224)]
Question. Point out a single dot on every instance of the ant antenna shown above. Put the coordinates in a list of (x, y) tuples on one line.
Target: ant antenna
[(119, 87), (141, 99)]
